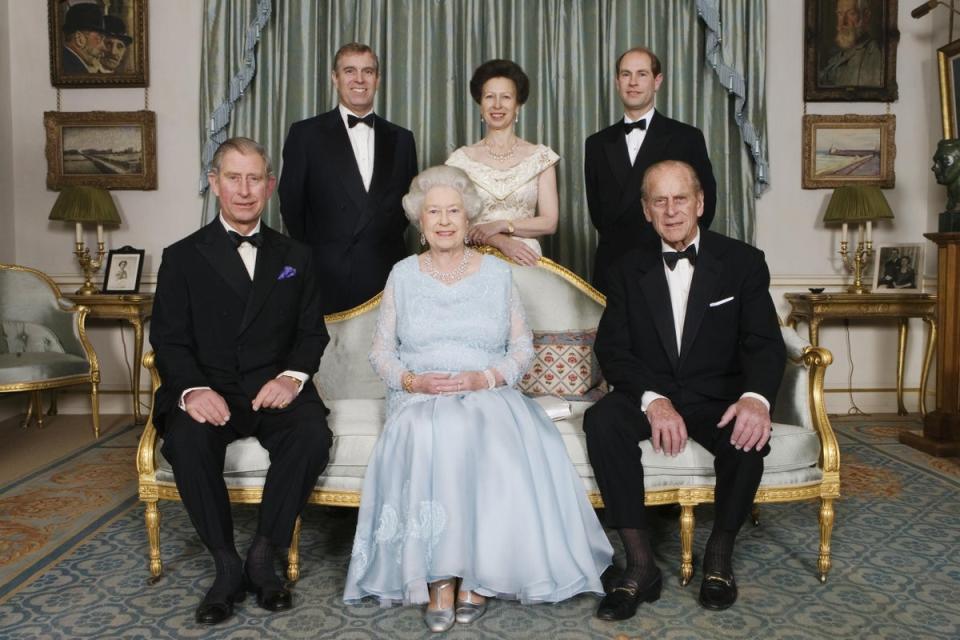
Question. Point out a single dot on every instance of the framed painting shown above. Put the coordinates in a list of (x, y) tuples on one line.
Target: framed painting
[(98, 43), (108, 149), (124, 268), (848, 150), (948, 61), (850, 51), (898, 268)]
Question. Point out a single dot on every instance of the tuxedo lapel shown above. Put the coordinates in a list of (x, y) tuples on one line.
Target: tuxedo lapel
[(653, 283), (342, 152), (653, 143), (217, 248), (706, 277), (384, 144), (269, 264)]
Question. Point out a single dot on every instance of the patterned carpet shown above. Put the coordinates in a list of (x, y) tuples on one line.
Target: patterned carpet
[(73, 563)]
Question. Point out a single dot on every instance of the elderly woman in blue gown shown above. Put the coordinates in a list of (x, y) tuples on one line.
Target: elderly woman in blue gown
[(469, 493)]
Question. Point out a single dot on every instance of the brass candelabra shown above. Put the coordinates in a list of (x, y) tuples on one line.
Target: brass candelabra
[(89, 265), (858, 264)]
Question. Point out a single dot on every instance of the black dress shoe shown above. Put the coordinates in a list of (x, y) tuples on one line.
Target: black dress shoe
[(718, 592), (622, 602), (272, 597), (215, 608), (610, 577)]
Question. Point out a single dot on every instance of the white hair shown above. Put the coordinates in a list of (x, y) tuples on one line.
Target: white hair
[(440, 176)]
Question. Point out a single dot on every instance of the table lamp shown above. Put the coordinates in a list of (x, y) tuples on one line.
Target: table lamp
[(859, 205), (86, 205)]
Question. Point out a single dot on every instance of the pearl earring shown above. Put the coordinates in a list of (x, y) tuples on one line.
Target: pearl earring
[(423, 240)]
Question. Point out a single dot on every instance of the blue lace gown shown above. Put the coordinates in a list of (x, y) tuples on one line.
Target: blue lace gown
[(475, 484)]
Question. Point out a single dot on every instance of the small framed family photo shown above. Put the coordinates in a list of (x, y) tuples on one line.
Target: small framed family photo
[(847, 150), (107, 149), (98, 43), (898, 268), (124, 268)]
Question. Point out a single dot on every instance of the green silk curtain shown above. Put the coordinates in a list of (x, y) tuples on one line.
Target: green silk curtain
[(428, 49)]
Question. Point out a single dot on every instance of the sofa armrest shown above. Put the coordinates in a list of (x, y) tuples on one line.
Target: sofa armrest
[(146, 449), (817, 359)]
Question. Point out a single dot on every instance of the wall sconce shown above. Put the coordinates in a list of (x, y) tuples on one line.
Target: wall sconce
[(858, 205), (86, 205)]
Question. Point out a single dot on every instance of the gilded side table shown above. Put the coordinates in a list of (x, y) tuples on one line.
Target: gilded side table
[(134, 308), (816, 308)]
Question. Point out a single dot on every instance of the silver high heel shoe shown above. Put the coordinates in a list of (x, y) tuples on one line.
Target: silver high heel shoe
[(439, 620), (468, 611)]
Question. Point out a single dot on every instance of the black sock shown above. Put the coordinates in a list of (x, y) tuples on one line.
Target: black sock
[(640, 565), (229, 578), (260, 563), (718, 554)]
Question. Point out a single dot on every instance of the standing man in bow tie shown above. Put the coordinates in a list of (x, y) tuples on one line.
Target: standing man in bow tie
[(344, 174), (616, 158), (690, 342), (238, 332)]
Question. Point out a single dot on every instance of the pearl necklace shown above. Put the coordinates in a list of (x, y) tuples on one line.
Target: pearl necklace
[(448, 276), (501, 156)]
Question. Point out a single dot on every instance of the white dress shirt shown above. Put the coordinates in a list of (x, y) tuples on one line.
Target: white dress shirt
[(248, 253), (635, 138), (361, 141), (678, 281)]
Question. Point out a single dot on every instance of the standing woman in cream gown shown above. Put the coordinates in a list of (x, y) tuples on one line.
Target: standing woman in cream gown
[(516, 179)]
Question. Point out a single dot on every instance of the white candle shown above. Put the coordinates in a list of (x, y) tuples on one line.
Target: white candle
[(869, 231), (859, 234), (79, 233), (843, 234), (99, 234)]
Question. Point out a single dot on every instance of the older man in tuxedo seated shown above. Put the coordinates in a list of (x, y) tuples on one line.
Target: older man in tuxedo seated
[(238, 329), (691, 344)]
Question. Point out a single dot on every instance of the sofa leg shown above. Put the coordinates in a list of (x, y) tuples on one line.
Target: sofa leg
[(152, 518), (95, 409), (37, 400), (826, 528), (686, 543), (29, 415), (755, 515), (293, 554)]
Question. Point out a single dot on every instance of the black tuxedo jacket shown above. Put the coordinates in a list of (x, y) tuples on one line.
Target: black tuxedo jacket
[(213, 327), (356, 236), (613, 185), (731, 340)]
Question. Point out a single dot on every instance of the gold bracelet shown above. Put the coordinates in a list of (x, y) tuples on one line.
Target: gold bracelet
[(407, 381), (510, 228)]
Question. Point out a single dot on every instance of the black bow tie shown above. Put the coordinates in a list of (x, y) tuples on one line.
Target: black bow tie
[(672, 257), (353, 120), (256, 239), (630, 126)]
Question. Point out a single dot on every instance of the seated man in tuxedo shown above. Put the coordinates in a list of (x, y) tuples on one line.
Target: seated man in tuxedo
[(691, 345), (238, 330)]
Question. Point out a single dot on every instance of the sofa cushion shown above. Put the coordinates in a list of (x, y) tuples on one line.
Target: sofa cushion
[(34, 367), (565, 366)]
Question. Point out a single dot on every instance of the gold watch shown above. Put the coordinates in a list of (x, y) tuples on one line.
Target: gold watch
[(298, 382)]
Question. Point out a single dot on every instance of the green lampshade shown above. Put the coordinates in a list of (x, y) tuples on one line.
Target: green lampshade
[(85, 204), (857, 204)]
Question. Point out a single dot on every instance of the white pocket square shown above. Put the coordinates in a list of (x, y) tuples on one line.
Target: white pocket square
[(720, 302)]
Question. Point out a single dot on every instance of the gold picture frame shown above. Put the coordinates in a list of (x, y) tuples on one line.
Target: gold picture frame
[(846, 150), (948, 63), (94, 47), (107, 149)]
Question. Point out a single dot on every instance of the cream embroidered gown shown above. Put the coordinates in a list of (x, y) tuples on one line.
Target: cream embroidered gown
[(507, 194)]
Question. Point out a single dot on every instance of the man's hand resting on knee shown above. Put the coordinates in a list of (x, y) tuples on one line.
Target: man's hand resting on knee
[(668, 431), (752, 428), (276, 393), (206, 406)]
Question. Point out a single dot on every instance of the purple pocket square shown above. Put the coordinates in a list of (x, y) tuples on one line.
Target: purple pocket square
[(288, 272)]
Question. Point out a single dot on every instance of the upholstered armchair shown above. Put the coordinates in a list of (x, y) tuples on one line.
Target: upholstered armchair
[(43, 341)]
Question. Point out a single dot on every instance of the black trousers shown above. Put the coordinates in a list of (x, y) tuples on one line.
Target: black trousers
[(298, 441), (615, 425)]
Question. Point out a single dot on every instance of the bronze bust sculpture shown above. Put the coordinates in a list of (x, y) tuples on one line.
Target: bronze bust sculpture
[(946, 168)]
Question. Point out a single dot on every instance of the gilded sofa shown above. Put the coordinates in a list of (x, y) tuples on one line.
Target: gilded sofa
[(804, 463)]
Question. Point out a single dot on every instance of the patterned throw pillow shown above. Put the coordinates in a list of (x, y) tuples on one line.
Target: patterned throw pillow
[(564, 365)]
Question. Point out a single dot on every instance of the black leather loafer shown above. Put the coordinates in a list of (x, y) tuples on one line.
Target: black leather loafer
[(216, 609), (610, 577), (718, 592), (274, 599), (622, 602)]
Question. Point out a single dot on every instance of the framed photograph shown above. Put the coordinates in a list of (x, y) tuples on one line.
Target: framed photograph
[(848, 150), (948, 60), (850, 51), (108, 149), (898, 268), (98, 43), (124, 268)]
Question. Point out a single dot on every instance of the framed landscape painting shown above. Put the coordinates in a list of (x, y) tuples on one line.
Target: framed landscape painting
[(848, 150), (108, 149), (948, 61)]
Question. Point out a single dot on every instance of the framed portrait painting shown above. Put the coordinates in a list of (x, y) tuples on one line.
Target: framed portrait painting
[(108, 149), (948, 61), (850, 50), (124, 268), (98, 43), (848, 150), (898, 268)]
